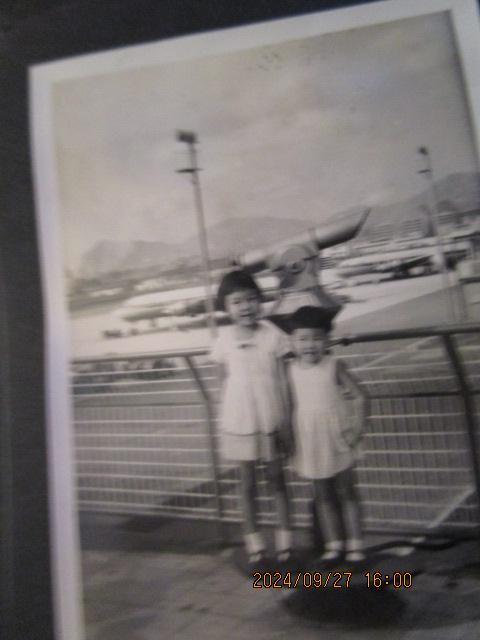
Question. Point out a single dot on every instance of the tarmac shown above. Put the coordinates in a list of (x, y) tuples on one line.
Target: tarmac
[(152, 578), (392, 304)]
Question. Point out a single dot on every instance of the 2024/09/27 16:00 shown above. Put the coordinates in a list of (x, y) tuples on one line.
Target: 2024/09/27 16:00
[(331, 579)]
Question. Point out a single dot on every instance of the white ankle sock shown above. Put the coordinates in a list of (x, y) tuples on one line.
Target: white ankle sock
[(332, 549), (354, 544), (283, 539), (334, 545), (254, 542)]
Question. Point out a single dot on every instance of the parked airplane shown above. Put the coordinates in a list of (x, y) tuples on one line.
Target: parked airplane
[(396, 262), (402, 262), (189, 301)]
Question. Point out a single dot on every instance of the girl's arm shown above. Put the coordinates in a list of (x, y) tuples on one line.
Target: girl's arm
[(346, 380), (222, 373), (286, 432), (218, 357)]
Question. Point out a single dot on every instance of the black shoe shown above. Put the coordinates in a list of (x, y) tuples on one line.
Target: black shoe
[(258, 562), (328, 560)]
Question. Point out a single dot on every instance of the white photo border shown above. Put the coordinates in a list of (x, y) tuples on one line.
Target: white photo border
[(63, 516)]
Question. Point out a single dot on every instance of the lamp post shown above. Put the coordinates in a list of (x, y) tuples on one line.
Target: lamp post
[(433, 215), (190, 139)]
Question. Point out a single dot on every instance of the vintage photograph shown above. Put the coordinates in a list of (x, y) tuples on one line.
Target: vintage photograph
[(261, 260)]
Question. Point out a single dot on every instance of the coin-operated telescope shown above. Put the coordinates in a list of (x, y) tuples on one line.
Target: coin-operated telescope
[(296, 264)]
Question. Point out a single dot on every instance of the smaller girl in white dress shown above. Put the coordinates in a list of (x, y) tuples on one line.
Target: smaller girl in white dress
[(255, 412), (326, 433)]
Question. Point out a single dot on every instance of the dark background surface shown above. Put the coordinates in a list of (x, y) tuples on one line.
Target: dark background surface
[(33, 31)]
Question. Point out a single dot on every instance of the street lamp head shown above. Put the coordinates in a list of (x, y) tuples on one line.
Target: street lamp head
[(186, 136)]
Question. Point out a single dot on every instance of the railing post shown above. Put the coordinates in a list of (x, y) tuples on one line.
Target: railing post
[(470, 419), (211, 439)]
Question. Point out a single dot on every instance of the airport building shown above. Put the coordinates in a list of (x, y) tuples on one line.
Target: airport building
[(413, 228), (458, 218)]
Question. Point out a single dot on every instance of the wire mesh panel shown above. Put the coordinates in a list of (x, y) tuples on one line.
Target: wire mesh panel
[(147, 437), (406, 367), (142, 438), (415, 470), (468, 346)]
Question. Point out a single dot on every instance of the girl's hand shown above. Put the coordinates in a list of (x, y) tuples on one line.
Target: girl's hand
[(360, 404), (352, 437), (360, 413), (285, 440)]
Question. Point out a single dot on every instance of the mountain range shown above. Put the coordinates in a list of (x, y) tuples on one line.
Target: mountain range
[(457, 192)]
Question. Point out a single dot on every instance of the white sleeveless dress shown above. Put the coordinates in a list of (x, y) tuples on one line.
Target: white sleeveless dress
[(320, 419), (252, 407)]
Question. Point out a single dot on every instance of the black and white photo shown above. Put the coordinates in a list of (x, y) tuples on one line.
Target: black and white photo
[(247, 234)]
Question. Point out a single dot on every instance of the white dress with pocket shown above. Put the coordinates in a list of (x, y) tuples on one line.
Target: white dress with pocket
[(320, 418)]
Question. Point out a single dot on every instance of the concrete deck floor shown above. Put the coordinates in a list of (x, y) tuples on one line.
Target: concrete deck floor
[(147, 580)]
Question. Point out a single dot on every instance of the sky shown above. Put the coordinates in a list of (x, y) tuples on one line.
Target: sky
[(302, 129)]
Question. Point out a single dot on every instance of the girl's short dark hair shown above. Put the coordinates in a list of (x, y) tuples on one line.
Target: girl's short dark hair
[(311, 318), (236, 280)]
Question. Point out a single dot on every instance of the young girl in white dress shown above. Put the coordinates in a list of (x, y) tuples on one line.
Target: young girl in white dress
[(326, 433), (255, 413)]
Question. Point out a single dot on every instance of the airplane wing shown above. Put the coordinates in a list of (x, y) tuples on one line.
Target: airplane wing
[(400, 265)]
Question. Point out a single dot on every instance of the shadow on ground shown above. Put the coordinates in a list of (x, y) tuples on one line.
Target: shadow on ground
[(445, 592), (356, 606)]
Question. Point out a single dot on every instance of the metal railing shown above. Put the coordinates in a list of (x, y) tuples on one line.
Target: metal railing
[(146, 434)]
